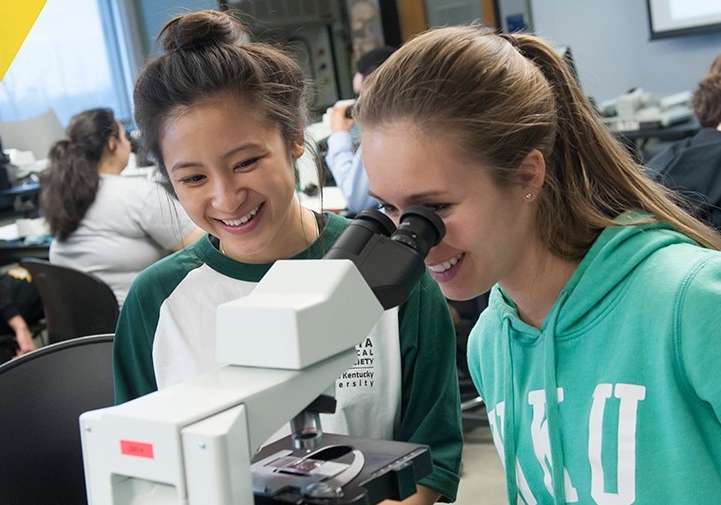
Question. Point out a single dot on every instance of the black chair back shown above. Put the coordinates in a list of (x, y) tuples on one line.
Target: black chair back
[(42, 395), (75, 303)]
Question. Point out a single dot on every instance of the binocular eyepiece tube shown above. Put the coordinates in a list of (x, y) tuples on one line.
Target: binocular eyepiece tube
[(389, 258)]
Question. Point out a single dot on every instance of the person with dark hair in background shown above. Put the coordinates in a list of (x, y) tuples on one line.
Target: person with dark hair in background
[(103, 223), (597, 355), (692, 166), (225, 121), (344, 155), (20, 305)]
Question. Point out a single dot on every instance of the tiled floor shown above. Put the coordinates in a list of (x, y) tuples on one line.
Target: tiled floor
[(482, 478)]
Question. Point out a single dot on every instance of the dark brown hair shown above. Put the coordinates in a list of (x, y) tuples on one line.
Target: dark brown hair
[(715, 67), (206, 54), (70, 184), (706, 101)]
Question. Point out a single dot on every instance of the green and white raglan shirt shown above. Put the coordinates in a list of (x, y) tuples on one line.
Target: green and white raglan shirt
[(617, 398), (402, 387)]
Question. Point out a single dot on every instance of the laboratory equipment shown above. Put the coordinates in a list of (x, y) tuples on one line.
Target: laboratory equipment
[(639, 110), (195, 443)]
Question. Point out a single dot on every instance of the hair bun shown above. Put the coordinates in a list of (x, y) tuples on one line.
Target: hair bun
[(194, 31)]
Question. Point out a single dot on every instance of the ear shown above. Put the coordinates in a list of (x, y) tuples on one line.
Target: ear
[(112, 144), (297, 148), (532, 172)]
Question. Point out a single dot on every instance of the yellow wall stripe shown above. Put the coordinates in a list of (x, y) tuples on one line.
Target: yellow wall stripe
[(16, 19)]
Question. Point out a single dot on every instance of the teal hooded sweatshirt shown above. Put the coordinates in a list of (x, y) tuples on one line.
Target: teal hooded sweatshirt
[(617, 398)]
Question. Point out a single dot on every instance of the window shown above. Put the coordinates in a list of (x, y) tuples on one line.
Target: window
[(75, 57)]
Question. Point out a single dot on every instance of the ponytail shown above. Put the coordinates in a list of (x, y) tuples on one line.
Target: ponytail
[(70, 183), (602, 180)]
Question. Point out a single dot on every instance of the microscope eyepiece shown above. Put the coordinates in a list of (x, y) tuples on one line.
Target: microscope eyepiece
[(375, 221), (390, 259), (420, 229)]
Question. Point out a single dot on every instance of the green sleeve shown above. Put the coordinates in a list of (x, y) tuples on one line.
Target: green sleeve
[(133, 346), (138, 321), (430, 404)]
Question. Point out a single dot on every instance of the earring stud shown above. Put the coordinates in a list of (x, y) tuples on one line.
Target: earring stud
[(528, 196)]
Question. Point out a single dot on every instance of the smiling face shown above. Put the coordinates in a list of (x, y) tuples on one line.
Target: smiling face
[(234, 176), (489, 229)]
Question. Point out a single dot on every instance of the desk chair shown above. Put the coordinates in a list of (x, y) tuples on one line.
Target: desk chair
[(42, 395), (75, 303)]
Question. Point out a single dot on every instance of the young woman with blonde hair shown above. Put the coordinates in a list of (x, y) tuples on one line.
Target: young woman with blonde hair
[(595, 357)]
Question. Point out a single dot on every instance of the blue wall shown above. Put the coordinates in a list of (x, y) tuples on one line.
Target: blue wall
[(610, 43)]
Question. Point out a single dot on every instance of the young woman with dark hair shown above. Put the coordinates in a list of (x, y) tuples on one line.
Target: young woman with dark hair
[(224, 120)]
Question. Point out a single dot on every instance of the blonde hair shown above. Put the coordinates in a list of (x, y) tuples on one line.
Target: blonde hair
[(503, 96)]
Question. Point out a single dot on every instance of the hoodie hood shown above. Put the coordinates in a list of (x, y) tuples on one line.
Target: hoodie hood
[(590, 294), (613, 257), (590, 290)]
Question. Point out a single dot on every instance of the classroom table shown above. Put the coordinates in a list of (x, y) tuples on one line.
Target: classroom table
[(13, 248)]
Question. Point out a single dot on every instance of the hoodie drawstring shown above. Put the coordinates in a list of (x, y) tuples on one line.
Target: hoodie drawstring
[(509, 419), (553, 418), (552, 414)]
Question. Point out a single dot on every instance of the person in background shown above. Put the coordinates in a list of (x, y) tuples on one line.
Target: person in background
[(103, 223), (692, 166), (20, 304), (595, 356), (344, 155), (224, 120)]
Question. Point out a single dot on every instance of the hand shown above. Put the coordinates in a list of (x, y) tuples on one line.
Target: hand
[(22, 335), (25, 342), (339, 122)]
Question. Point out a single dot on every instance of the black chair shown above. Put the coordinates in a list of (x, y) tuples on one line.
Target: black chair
[(42, 395), (75, 303)]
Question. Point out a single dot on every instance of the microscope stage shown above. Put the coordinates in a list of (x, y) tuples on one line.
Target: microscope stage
[(385, 469)]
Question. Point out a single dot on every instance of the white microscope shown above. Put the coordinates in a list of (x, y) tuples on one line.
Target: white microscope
[(197, 443)]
